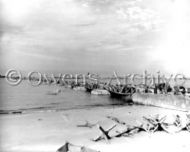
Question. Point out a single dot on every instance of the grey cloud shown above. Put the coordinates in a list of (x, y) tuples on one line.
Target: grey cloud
[(86, 32)]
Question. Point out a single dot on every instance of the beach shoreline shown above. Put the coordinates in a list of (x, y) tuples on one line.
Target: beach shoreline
[(48, 131)]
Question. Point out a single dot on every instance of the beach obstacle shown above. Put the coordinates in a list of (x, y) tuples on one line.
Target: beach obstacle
[(105, 134), (157, 122), (150, 124), (129, 131), (187, 125)]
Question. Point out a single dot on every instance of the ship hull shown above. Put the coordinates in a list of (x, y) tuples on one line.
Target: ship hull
[(170, 101)]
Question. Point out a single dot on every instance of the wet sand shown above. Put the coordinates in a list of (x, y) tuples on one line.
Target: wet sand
[(47, 131)]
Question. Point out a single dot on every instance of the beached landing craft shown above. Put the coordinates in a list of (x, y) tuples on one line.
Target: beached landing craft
[(170, 101), (176, 98), (120, 91)]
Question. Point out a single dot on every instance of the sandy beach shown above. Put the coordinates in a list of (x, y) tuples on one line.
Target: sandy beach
[(71, 70), (48, 131)]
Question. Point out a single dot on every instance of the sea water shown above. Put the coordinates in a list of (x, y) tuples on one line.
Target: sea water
[(25, 97)]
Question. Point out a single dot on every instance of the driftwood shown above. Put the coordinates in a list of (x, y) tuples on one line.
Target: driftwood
[(87, 124), (105, 134)]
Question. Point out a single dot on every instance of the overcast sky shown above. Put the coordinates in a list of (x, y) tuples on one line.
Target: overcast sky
[(97, 36)]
